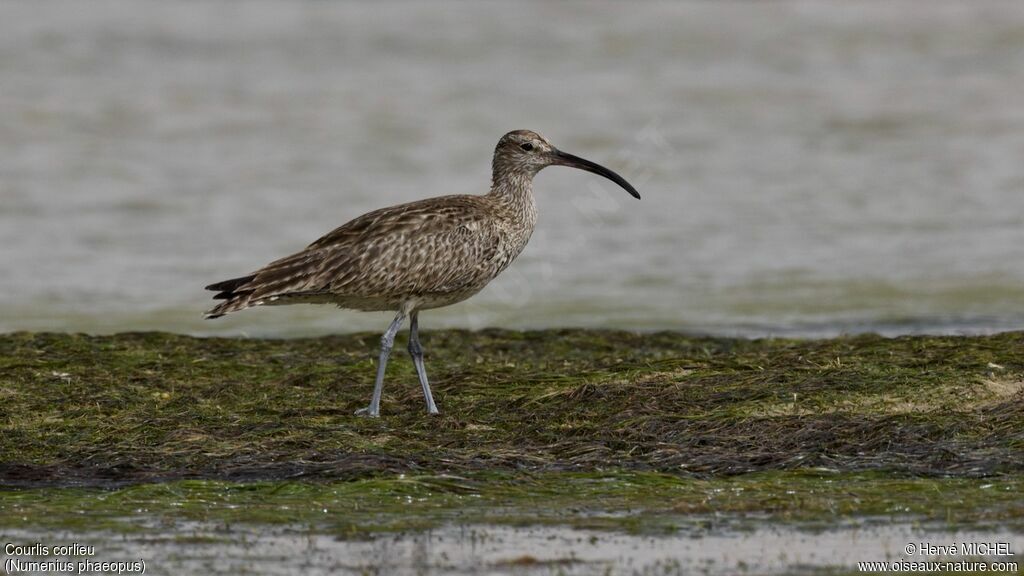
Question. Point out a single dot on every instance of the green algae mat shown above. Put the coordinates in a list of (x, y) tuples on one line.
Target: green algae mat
[(104, 410), (599, 431)]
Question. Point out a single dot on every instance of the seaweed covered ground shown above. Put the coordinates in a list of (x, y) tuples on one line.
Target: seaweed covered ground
[(110, 410), (557, 452)]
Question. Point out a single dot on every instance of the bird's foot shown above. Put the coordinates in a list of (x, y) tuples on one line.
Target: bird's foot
[(434, 412), (368, 412)]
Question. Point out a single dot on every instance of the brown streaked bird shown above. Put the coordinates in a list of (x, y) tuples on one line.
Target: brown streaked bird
[(416, 256)]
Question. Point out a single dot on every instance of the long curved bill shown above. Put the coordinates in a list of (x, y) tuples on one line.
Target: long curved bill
[(566, 159)]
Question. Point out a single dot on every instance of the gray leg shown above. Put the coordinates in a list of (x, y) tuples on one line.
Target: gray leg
[(417, 359), (386, 342)]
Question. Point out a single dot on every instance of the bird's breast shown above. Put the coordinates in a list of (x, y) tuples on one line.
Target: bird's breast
[(513, 240)]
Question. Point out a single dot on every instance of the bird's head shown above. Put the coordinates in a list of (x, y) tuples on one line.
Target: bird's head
[(523, 153)]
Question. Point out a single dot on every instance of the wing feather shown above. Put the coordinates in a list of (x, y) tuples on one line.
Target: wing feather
[(427, 247)]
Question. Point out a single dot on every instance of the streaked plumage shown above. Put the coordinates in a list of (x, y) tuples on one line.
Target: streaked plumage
[(416, 256), (433, 252)]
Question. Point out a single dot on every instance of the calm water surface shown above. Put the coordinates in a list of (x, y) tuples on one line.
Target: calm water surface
[(496, 550), (806, 168)]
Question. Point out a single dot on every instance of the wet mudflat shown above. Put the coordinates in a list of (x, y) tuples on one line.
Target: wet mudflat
[(561, 451), (537, 550), (103, 410)]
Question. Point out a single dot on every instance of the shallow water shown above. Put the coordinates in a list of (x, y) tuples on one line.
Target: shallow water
[(807, 168), (488, 549)]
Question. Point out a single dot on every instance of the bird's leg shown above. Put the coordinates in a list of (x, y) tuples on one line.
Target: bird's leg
[(416, 351), (386, 343)]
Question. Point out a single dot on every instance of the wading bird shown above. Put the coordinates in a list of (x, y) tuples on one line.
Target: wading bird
[(416, 256)]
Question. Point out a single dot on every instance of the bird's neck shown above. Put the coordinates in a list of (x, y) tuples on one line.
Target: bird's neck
[(515, 192)]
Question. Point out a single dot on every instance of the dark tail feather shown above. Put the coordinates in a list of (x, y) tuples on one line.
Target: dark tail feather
[(230, 285), (228, 290)]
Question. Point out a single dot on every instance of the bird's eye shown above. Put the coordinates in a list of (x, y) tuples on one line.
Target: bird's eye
[(527, 146)]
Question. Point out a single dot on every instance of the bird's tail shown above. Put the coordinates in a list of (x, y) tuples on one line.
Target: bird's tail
[(233, 292)]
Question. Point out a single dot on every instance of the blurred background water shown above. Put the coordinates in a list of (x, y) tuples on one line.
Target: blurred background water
[(807, 168)]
